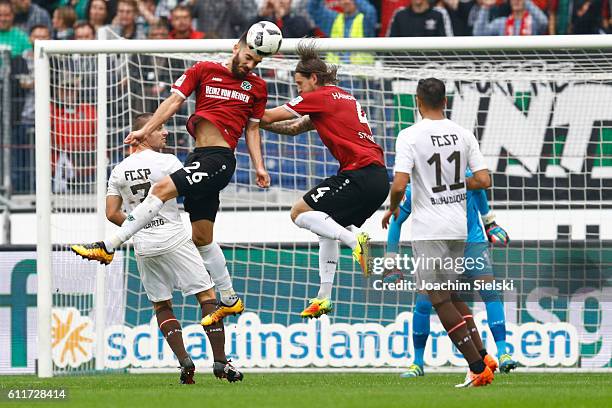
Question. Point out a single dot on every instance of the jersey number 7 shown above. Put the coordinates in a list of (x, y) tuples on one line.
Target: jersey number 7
[(141, 187)]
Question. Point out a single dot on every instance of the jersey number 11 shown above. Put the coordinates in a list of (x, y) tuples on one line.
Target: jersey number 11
[(435, 159)]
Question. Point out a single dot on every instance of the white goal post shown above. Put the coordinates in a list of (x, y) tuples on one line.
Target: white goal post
[(539, 105)]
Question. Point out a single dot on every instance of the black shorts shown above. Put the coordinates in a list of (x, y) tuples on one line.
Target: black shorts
[(206, 172), (351, 197)]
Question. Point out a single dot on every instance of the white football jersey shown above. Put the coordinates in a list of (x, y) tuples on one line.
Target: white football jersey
[(131, 180), (436, 153)]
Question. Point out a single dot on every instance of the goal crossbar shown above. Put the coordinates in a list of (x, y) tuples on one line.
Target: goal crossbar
[(382, 44)]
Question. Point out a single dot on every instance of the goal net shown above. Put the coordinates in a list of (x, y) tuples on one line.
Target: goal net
[(539, 107)]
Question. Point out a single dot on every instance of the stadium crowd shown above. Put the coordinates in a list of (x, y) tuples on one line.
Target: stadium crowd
[(24, 21)]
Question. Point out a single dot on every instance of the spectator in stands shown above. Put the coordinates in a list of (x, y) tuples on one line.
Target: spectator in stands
[(163, 9), (63, 20), (223, 18), (279, 12), (159, 31), (98, 14), (27, 15), (22, 152), (9, 34), (587, 17), (606, 22), (146, 10), (73, 135), (152, 77), (455, 14), (357, 19), (388, 8), (549, 7), (181, 25), (525, 19), (418, 20), (125, 24), (84, 31)]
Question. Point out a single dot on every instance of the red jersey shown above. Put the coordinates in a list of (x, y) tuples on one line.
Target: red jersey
[(226, 101), (342, 126), (193, 35), (74, 128)]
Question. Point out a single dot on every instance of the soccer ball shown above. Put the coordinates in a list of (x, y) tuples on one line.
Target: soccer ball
[(264, 38)]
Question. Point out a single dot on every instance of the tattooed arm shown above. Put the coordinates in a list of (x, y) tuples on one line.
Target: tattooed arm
[(289, 127)]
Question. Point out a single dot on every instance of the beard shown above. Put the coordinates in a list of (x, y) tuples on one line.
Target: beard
[(236, 70)]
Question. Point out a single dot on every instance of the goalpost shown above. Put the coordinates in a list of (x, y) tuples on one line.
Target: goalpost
[(540, 107)]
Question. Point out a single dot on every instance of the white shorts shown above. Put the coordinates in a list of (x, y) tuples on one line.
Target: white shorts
[(438, 260), (181, 268)]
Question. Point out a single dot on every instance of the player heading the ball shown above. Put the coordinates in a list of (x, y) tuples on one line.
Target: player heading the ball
[(230, 99), (339, 203)]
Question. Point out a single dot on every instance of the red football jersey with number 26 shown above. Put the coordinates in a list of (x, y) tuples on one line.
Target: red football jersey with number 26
[(226, 101), (342, 125)]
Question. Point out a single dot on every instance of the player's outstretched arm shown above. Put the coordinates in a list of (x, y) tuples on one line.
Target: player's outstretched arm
[(291, 127), (280, 120), (113, 210), (253, 141), (480, 180), (164, 111)]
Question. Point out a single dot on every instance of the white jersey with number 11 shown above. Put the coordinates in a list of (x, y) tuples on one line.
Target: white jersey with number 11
[(436, 153)]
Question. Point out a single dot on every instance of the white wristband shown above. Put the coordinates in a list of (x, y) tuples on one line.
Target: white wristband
[(488, 218)]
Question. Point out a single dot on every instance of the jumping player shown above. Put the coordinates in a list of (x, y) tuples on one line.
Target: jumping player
[(165, 254), (435, 153), (477, 206), (361, 186), (229, 99)]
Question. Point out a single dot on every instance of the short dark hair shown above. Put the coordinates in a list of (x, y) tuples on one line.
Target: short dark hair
[(311, 63), (431, 92), (182, 7), (161, 23), (140, 120), (37, 26), (242, 40), (84, 23), (132, 3)]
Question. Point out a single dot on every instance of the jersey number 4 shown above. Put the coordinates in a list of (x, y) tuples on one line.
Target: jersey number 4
[(454, 157), (362, 115)]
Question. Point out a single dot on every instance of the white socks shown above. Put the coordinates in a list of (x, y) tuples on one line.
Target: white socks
[(135, 221), (328, 260), (324, 226), (215, 264)]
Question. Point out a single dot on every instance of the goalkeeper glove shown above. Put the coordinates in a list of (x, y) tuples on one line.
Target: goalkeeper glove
[(495, 233)]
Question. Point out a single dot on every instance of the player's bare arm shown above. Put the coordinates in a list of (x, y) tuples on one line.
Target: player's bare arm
[(253, 141), (164, 111), (398, 189), (114, 212), (291, 127), (479, 180)]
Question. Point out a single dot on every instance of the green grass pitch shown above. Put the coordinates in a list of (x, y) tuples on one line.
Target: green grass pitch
[(320, 390)]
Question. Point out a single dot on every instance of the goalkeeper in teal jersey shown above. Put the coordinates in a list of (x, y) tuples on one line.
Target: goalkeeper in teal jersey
[(477, 207)]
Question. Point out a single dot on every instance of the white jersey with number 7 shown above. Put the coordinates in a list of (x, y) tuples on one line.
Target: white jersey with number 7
[(436, 153), (131, 180)]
